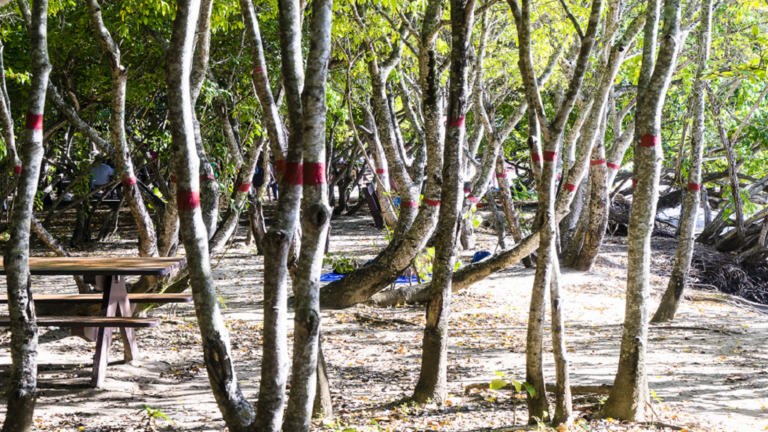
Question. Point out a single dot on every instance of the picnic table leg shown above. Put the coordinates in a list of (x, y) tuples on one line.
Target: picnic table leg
[(102, 284), (124, 310), (104, 337)]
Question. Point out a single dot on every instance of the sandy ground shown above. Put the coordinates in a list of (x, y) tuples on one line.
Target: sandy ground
[(709, 369)]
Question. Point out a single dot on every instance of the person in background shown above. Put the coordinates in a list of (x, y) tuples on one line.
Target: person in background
[(100, 175), (258, 175)]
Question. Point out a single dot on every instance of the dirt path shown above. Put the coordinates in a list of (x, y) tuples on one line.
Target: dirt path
[(709, 370)]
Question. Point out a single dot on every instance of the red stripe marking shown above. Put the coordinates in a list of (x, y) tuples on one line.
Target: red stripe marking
[(533, 174), (314, 173), (501, 175), (650, 140), (173, 179), (17, 170), (466, 191), (279, 165), (569, 187), (259, 69), (129, 181), (292, 174), (634, 183), (536, 157), (559, 176), (409, 204), (457, 122), (207, 177), (188, 200), (381, 171), (614, 166), (597, 162), (473, 199), (34, 122), (245, 187), (550, 156), (694, 187), (433, 203)]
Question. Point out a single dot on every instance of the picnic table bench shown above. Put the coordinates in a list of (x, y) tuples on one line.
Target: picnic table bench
[(108, 276)]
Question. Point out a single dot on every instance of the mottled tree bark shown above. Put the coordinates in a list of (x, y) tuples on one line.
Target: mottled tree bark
[(315, 223), (5, 113), (54, 245), (144, 224), (279, 238), (671, 299), (547, 219), (236, 411), (23, 378), (629, 396), (432, 382)]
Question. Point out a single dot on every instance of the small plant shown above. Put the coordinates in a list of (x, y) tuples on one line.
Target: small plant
[(152, 414), (499, 383), (340, 263)]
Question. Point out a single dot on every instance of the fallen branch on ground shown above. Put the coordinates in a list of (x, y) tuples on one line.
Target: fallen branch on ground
[(578, 389)]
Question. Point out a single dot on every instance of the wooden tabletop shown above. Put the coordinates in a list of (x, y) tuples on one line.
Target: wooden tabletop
[(98, 266)]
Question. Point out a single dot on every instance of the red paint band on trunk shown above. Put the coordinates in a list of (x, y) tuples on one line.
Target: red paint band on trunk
[(34, 122), (597, 162), (533, 174), (550, 156), (245, 187), (473, 199), (17, 170), (292, 174), (381, 171), (559, 176), (694, 187), (501, 175), (650, 140), (188, 200), (433, 203), (466, 191), (614, 166), (259, 70), (457, 122), (536, 157), (314, 173), (207, 177), (173, 179), (569, 187), (129, 181), (279, 165), (634, 183), (409, 204)]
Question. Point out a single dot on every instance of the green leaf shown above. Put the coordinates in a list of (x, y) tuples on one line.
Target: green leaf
[(755, 30), (497, 384), (530, 389), (518, 385), (501, 374)]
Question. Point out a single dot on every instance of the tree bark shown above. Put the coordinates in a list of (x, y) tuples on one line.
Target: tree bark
[(671, 299), (629, 395), (144, 224), (23, 377), (315, 223), (236, 411), (432, 382)]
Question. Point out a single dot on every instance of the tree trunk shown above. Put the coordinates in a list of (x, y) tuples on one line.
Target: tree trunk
[(315, 222), (671, 299), (23, 377), (629, 395), (236, 411), (432, 382), (323, 406), (144, 224), (280, 237)]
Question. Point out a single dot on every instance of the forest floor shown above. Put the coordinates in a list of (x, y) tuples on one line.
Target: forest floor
[(708, 369)]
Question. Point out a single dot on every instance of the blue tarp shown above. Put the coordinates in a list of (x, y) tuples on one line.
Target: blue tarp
[(480, 255)]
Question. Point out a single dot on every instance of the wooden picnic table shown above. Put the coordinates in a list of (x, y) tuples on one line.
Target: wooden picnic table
[(108, 275)]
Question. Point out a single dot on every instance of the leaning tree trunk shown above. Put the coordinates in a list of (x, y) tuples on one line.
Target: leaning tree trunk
[(671, 299), (315, 223), (144, 224), (235, 409), (23, 380), (432, 382), (629, 397), (5, 113)]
